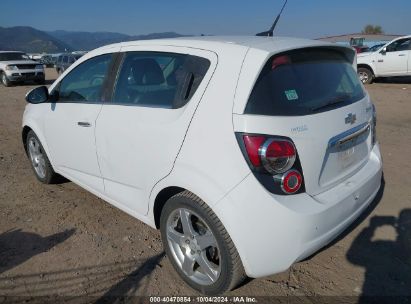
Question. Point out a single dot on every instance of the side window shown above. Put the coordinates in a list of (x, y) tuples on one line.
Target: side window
[(156, 79), (399, 45), (65, 59), (85, 82), (72, 59)]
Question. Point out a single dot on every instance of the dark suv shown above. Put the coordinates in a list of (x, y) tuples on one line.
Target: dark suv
[(64, 61)]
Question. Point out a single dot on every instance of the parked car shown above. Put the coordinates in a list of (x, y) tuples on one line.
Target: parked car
[(64, 61), (16, 67), (248, 153), (393, 59), (47, 60)]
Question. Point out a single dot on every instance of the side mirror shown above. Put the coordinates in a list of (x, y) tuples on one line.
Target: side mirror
[(383, 51), (38, 95)]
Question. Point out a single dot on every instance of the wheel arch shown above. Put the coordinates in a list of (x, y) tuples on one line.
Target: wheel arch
[(24, 133), (187, 178), (367, 66), (162, 197), (31, 126)]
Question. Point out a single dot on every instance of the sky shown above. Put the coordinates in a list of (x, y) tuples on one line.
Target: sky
[(301, 18)]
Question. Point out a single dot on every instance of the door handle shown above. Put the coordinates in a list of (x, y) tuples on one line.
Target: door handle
[(401, 55), (380, 60), (84, 124)]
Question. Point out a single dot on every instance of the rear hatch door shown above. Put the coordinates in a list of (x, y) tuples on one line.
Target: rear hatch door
[(313, 96)]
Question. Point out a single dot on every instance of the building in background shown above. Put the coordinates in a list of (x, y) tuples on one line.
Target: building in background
[(361, 42)]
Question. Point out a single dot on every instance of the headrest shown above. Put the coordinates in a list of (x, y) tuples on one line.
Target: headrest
[(147, 72)]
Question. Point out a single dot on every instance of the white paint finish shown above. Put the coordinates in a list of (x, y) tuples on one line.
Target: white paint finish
[(33, 118), (137, 145), (144, 150), (72, 146), (322, 170), (388, 64), (293, 227), (211, 151), (392, 63)]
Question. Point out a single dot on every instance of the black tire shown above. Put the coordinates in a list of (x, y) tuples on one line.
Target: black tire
[(365, 75), (50, 177), (4, 80), (231, 268)]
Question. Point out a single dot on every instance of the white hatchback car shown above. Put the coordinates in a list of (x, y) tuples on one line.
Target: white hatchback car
[(248, 153)]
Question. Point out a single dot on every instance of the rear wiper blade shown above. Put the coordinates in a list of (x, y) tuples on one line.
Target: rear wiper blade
[(337, 99)]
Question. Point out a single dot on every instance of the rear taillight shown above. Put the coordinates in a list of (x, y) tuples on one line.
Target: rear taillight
[(275, 157), (252, 145), (290, 181)]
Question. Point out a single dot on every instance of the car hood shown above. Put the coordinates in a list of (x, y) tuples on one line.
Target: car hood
[(365, 54), (14, 62)]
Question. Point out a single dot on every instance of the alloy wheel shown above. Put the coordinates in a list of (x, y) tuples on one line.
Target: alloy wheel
[(37, 157), (363, 77), (193, 246)]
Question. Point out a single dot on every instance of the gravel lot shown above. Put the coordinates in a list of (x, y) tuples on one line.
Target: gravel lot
[(62, 240)]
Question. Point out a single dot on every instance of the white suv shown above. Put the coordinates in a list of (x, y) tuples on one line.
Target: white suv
[(391, 59), (248, 153), (17, 67)]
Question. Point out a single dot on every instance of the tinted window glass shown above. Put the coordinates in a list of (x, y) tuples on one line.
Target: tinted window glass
[(65, 59), (84, 83), (304, 82), (399, 45), (155, 79)]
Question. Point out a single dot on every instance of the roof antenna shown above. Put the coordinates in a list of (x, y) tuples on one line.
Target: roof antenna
[(269, 33)]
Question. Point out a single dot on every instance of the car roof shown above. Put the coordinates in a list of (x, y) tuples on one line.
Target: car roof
[(212, 43), (402, 37)]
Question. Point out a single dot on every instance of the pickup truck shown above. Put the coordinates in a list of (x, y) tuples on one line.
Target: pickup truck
[(17, 67), (391, 59)]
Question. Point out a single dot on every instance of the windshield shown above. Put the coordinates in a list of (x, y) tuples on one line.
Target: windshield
[(303, 82), (375, 48), (12, 56)]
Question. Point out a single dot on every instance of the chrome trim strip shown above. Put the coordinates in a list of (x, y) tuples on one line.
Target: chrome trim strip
[(342, 138)]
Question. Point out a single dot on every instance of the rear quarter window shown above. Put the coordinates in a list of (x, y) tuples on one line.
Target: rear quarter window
[(303, 82), (157, 79)]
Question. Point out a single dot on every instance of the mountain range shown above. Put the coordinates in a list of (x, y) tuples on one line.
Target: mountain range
[(31, 40)]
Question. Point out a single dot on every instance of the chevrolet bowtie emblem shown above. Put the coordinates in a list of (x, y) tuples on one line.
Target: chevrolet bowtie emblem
[(351, 119)]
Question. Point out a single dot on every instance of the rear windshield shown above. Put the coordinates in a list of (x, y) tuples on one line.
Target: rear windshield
[(304, 82)]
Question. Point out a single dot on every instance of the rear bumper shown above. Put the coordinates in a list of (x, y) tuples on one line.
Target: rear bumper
[(272, 232)]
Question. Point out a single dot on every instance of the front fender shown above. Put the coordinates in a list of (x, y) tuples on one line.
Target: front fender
[(369, 64), (30, 120)]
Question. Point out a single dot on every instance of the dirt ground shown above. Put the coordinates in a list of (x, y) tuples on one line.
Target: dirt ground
[(62, 240)]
